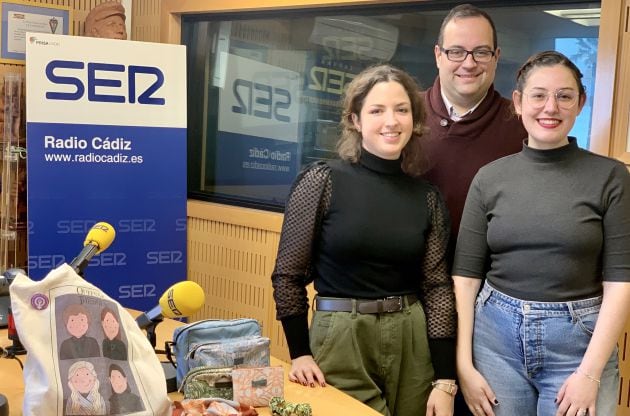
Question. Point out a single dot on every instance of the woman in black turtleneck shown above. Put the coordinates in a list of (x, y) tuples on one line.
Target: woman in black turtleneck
[(373, 238)]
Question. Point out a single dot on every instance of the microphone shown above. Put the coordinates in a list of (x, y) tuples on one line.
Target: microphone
[(6, 279), (99, 238), (180, 300)]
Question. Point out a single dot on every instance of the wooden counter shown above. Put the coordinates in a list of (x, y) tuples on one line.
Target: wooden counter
[(324, 401)]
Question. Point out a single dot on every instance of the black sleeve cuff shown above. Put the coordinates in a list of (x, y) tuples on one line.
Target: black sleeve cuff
[(296, 332), (443, 357)]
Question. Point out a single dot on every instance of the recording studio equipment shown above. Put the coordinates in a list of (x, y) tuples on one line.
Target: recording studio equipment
[(179, 301), (98, 239), (5, 301), (16, 348)]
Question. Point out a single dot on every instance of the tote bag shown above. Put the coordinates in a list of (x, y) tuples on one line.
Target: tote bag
[(86, 354)]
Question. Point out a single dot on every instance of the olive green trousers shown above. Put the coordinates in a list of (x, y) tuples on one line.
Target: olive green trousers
[(381, 359)]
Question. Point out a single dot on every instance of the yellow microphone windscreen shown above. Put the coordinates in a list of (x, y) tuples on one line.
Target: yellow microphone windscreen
[(182, 299), (100, 235)]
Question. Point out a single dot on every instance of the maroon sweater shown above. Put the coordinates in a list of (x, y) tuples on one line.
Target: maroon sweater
[(456, 150)]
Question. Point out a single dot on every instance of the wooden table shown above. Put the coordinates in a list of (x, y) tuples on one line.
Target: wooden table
[(325, 401)]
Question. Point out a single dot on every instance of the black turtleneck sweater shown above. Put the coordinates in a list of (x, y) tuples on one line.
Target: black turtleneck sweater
[(365, 230), (554, 224)]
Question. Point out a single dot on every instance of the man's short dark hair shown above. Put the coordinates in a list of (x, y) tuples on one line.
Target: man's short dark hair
[(463, 11)]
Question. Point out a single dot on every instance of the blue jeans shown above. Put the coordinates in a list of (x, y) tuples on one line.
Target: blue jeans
[(526, 350)]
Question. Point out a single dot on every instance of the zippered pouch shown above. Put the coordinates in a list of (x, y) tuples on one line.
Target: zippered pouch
[(203, 382), (256, 386), (251, 351), (189, 336)]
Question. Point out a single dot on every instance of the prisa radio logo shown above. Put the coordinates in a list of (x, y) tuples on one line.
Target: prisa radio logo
[(106, 77), (34, 41)]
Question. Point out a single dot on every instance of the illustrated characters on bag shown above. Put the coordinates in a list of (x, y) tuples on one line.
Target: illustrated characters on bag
[(86, 353), (76, 319), (113, 346), (122, 400), (85, 398), (90, 375)]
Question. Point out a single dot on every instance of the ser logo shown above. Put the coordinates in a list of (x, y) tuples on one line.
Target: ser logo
[(171, 303), (45, 261), (165, 257), (261, 100), (137, 225), (96, 74), (134, 225), (109, 260), (136, 291), (180, 224), (329, 80)]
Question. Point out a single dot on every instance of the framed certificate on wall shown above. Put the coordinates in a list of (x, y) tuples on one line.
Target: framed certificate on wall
[(19, 17)]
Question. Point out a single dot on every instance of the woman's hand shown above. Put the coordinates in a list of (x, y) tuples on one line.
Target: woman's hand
[(477, 392), (440, 403), (305, 371), (577, 396)]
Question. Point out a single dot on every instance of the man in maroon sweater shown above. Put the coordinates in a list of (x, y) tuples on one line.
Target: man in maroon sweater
[(470, 123)]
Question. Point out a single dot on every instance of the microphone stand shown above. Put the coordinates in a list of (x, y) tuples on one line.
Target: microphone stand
[(17, 348), (151, 335), (169, 371)]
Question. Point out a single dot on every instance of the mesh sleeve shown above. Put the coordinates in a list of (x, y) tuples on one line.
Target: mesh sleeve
[(308, 202), (438, 295)]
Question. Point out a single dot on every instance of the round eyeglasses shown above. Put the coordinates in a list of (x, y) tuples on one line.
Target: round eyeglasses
[(565, 99), (459, 55)]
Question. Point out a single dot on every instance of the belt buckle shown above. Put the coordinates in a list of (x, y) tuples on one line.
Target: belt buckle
[(396, 308)]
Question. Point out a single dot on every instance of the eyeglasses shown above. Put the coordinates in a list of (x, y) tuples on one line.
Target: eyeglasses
[(566, 99), (459, 55)]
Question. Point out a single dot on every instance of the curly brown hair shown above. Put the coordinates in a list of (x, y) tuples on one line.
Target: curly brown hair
[(349, 145)]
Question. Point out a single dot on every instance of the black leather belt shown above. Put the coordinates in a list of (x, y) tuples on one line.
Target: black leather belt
[(387, 305)]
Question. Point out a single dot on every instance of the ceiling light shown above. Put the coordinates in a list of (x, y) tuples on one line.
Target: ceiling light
[(584, 17)]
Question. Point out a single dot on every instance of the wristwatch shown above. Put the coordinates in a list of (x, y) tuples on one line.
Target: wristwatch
[(445, 386)]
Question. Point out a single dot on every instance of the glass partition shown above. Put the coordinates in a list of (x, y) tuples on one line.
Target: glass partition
[(265, 88)]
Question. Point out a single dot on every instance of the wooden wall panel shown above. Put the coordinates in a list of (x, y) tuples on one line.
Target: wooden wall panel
[(624, 369), (620, 131), (231, 254), (146, 20)]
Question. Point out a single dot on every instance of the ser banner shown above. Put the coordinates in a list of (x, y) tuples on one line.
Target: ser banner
[(106, 128), (258, 120)]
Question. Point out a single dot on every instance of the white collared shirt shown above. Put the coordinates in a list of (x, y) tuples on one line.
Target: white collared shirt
[(452, 113)]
